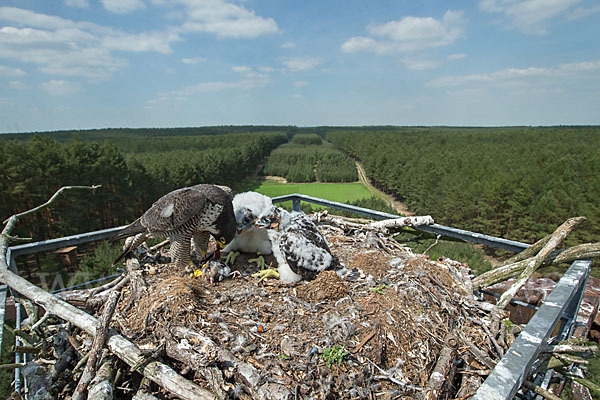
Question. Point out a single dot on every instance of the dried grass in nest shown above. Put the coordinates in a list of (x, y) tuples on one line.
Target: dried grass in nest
[(327, 286), (174, 299)]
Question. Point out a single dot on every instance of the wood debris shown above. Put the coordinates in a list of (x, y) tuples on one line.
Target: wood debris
[(392, 324)]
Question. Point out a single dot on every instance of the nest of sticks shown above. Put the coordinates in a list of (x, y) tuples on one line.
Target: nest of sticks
[(395, 325)]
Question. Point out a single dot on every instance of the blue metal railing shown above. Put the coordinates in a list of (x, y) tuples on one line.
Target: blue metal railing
[(505, 379), (434, 228)]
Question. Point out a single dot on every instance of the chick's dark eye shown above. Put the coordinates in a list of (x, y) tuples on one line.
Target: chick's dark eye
[(246, 220)]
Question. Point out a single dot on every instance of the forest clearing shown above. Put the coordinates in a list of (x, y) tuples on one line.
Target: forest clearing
[(341, 192)]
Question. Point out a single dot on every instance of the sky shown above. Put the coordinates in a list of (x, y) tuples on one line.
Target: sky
[(81, 64)]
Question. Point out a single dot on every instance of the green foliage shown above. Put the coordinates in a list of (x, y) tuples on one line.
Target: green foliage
[(118, 134), (594, 371), (295, 163), (307, 139), (35, 169), (517, 182), (308, 162), (336, 167), (334, 355), (97, 265), (134, 170)]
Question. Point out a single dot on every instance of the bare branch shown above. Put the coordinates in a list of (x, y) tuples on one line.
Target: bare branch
[(13, 219), (534, 262), (98, 344), (509, 270)]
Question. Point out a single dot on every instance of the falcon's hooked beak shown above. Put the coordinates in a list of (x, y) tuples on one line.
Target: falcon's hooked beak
[(221, 243)]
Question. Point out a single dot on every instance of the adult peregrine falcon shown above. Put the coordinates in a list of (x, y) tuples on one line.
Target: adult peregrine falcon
[(191, 213)]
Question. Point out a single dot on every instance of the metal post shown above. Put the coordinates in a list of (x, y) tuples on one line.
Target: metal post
[(296, 204), (18, 343), (3, 290), (508, 375)]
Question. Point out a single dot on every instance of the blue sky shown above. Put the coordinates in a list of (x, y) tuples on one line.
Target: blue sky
[(78, 64)]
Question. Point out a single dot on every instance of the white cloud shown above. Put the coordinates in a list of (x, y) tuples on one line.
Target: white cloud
[(301, 63), (123, 6), (146, 41), (225, 19), (77, 3), (17, 85), (61, 46), (415, 64), (254, 78), (62, 52), (288, 45), (249, 79), (530, 75), (529, 16), (457, 56), (193, 60), (10, 71), (60, 87), (242, 69), (408, 34), (300, 84)]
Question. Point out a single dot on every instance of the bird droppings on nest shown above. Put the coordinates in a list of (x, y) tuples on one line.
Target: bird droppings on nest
[(375, 330)]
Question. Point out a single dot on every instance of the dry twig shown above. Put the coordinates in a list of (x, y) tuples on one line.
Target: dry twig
[(98, 344)]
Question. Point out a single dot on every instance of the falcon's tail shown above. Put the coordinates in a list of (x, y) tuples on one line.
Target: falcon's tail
[(132, 229), (135, 228), (131, 244), (121, 256)]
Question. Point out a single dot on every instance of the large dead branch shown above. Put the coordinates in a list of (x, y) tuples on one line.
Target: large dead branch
[(442, 367), (395, 223), (12, 220), (528, 252), (579, 252), (534, 262), (97, 345), (101, 387), (139, 287)]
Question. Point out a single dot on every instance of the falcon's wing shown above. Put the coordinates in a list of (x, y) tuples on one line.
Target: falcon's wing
[(174, 209)]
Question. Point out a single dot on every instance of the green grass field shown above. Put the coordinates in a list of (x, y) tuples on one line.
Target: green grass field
[(341, 192)]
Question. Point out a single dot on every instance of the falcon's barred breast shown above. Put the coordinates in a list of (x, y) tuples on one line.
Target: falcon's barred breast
[(194, 212)]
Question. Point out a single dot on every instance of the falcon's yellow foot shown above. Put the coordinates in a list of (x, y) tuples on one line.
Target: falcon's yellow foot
[(230, 259), (259, 260), (199, 272), (266, 273)]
